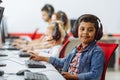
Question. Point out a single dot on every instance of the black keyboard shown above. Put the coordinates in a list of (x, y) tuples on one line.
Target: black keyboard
[(35, 76), (2, 64), (8, 48), (3, 55), (34, 64), (24, 54)]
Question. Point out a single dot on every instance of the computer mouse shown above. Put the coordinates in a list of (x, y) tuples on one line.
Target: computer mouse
[(1, 72), (21, 72), (2, 65)]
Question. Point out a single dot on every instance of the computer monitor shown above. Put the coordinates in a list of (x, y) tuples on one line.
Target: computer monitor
[(5, 30), (1, 27), (1, 13), (0, 38)]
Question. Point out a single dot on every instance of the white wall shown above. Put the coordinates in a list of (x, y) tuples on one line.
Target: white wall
[(25, 15)]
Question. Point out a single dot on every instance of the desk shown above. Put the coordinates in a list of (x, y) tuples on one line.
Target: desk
[(18, 64)]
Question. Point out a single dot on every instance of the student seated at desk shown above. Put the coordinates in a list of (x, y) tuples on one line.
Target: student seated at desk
[(47, 11), (63, 19), (54, 37), (86, 61), (59, 17)]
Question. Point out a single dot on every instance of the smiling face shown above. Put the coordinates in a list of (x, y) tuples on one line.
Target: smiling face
[(86, 32)]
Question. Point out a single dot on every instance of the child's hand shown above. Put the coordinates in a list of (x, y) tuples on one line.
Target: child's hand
[(24, 49), (69, 76), (32, 52), (35, 57), (17, 45)]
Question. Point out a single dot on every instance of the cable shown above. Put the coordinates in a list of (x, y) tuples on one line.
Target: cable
[(10, 73), (14, 59), (47, 70), (16, 62)]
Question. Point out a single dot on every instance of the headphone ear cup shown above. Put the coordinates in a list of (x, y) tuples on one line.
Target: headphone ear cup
[(99, 34), (50, 10), (75, 29), (49, 14), (56, 33)]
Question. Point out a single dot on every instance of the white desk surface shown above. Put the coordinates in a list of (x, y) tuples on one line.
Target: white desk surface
[(15, 63)]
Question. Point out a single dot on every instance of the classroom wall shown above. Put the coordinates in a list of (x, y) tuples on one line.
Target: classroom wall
[(25, 15)]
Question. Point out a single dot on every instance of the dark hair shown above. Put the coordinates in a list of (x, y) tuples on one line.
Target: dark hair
[(60, 15), (63, 17), (89, 18), (49, 9)]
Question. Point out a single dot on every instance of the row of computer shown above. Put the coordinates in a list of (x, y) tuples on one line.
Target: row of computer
[(5, 44)]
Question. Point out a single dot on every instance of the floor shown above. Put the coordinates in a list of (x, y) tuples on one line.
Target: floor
[(112, 75)]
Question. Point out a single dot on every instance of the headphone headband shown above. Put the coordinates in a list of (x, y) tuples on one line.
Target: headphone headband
[(50, 9), (99, 31)]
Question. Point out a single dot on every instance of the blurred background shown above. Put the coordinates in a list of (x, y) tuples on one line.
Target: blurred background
[(24, 16)]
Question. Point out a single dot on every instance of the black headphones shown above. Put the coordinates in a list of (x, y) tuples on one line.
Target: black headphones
[(99, 31), (56, 33), (50, 9)]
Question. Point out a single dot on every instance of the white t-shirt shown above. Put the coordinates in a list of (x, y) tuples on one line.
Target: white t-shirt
[(53, 51)]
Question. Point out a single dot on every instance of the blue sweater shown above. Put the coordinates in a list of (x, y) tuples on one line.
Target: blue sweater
[(90, 65)]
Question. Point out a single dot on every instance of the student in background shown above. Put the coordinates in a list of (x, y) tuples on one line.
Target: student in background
[(47, 12), (54, 36), (86, 61), (62, 18), (47, 39), (59, 17)]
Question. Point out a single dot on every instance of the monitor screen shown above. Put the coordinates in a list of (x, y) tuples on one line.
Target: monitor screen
[(1, 13), (1, 27), (0, 38)]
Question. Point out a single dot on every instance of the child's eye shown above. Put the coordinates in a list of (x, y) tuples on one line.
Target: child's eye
[(90, 30), (81, 29)]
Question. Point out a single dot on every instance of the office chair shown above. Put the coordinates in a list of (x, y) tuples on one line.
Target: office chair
[(34, 33), (63, 48), (65, 38), (108, 49)]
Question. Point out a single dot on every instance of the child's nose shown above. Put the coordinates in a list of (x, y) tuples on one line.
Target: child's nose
[(85, 31)]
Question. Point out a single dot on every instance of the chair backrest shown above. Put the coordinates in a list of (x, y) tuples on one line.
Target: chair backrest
[(34, 33), (108, 49), (63, 48), (65, 38)]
